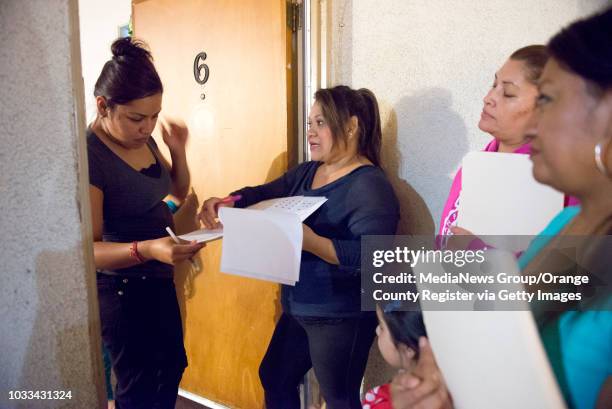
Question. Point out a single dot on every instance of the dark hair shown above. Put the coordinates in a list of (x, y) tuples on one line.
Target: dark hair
[(584, 48), (129, 75), (339, 104), (535, 58), (406, 327)]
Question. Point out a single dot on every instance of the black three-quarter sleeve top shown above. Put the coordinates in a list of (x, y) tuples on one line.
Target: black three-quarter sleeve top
[(359, 203)]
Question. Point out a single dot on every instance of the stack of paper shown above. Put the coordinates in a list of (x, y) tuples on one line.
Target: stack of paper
[(263, 241)]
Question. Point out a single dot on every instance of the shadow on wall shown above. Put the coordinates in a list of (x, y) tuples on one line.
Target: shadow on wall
[(425, 142), (415, 216), (425, 145)]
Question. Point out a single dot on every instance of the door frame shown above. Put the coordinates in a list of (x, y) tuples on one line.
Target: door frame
[(313, 47)]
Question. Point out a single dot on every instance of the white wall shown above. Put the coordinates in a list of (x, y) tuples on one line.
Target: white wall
[(430, 63), (99, 24), (49, 336)]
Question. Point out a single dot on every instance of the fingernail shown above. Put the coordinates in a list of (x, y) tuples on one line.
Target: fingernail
[(423, 342)]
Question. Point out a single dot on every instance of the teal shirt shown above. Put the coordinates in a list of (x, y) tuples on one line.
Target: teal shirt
[(578, 343), (554, 227)]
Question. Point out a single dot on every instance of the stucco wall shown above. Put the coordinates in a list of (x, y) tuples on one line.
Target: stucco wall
[(49, 335)]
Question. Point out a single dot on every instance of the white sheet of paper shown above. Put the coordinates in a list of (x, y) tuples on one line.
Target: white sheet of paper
[(203, 235), (492, 359), (499, 196), (261, 244), (302, 206)]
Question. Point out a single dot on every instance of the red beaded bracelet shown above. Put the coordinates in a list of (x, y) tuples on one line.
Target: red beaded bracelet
[(134, 252)]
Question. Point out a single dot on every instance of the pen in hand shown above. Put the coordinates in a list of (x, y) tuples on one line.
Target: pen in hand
[(178, 241)]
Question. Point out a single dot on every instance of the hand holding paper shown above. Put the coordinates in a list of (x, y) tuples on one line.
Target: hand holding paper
[(263, 241), (301, 206), (209, 213)]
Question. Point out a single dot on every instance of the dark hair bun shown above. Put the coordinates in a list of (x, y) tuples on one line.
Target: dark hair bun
[(129, 75), (128, 47)]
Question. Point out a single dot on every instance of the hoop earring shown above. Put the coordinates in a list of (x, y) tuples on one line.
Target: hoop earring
[(599, 161)]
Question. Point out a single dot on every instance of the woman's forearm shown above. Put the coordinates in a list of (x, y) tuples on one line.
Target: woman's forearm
[(112, 256), (320, 246), (180, 175)]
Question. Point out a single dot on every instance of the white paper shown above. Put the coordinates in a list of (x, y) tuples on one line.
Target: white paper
[(263, 244), (491, 359), (302, 206), (499, 196), (203, 235)]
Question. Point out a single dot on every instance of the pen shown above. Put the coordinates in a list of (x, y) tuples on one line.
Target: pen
[(178, 241), (228, 200)]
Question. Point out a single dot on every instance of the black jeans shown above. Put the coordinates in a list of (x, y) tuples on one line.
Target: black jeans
[(337, 349), (142, 329)]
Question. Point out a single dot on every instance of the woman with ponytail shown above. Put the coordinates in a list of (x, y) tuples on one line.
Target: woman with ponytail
[(322, 325)]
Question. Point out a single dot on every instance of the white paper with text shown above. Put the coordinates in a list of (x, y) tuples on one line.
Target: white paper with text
[(301, 206)]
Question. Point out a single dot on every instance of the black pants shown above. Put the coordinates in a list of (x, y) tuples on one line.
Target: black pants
[(337, 349), (142, 329)]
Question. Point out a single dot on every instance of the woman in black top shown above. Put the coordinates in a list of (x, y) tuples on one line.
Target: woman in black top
[(134, 257), (322, 325)]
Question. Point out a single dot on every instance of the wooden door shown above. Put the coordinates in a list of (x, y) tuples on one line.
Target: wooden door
[(238, 123)]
